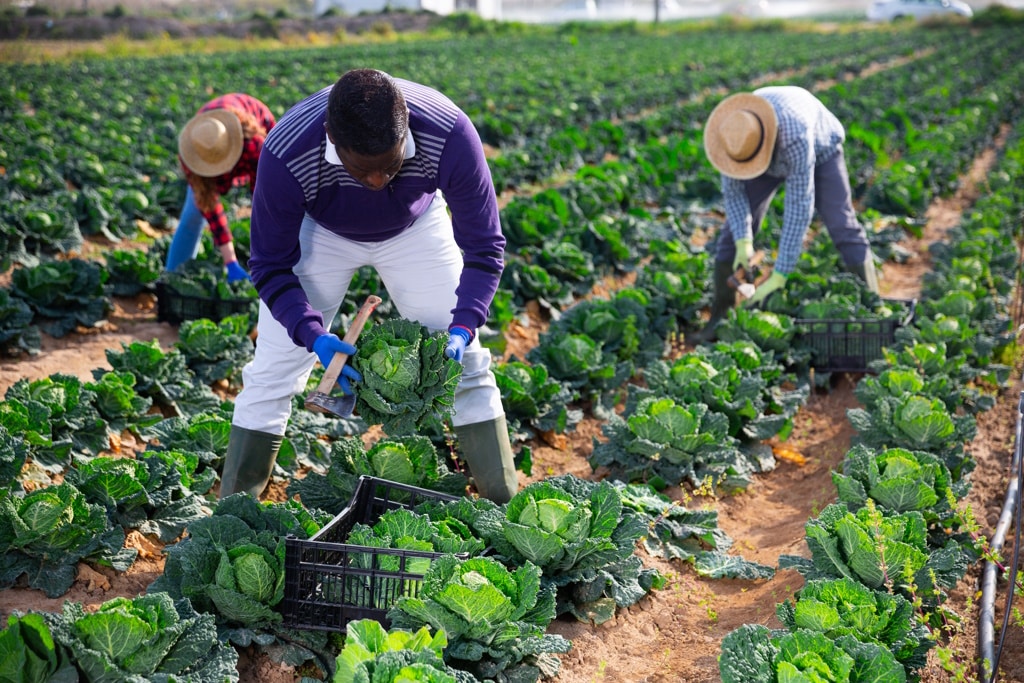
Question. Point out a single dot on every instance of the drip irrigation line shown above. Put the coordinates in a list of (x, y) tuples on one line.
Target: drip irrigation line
[(1018, 293), (989, 665)]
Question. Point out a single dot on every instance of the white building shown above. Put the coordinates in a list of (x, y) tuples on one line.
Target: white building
[(353, 7), (487, 9)]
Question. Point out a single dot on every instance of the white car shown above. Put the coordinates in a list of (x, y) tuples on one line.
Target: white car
[(575, 10), (891, 10)]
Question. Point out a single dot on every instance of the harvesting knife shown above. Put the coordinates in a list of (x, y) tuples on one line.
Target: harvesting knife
[(743, 279), (320, 400)]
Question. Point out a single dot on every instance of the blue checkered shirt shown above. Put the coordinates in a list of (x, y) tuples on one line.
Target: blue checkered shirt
[(809, 134)]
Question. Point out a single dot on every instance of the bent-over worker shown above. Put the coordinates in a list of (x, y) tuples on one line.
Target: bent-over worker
[(219, 149), (364, 173), (758, 141)]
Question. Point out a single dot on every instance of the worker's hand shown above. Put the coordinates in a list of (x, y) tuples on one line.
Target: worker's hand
[(774, 282), (458, 339), (325, 347), (744, 252), (236, 272)]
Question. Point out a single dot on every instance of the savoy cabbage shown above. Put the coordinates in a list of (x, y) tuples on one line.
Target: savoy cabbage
[(231, 565), (880, 550), (48, 531), (838, 607), (373, 655), (407, 379), (581, 537), (412, 460), (495, 618), (148, 639), (754, 654), (664, 442)]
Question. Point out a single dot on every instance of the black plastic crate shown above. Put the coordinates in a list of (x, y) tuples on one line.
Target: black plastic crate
[(174, 307), (849, 345), (328, 583)]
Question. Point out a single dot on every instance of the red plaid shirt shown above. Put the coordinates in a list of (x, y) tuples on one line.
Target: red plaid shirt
[(244, 172)]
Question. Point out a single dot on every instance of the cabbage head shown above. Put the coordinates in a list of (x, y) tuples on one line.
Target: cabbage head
[(372, 654), (148, 638), (408, 382), (583, 539), (412, 460), (49, 530), (495, 617)]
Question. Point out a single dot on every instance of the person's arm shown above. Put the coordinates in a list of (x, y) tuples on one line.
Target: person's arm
[(278, 208), (798, 206), (737, 209), (222, 239), (465, 180), (217, 221)]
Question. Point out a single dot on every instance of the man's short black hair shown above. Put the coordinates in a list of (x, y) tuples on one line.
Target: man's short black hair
[(366, 112)]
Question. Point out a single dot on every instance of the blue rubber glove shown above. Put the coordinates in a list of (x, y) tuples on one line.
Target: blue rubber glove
[(236, 272), (775, 281), (325, 346), (458, 339), (744, 252)]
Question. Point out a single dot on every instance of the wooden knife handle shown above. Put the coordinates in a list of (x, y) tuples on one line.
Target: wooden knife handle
[(333, 370)]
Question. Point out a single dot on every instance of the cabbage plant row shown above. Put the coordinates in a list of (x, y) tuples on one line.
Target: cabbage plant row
[(885, 555)]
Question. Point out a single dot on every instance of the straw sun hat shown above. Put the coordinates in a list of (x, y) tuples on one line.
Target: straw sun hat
[(739, 137), (210, 144)]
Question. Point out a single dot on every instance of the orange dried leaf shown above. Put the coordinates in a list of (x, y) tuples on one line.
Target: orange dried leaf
[(789, 455), (555, 440)]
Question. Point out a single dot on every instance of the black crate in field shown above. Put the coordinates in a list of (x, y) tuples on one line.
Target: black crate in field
[(328, 583), (849, 345), (174, 307)]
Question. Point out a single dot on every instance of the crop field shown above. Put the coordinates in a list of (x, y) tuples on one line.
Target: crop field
[(764, 508)]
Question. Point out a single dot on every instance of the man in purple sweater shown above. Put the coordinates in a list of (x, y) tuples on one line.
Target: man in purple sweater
[(364, 173)]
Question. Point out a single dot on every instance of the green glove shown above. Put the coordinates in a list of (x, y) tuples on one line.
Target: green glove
[(774, 282), (744, 252)]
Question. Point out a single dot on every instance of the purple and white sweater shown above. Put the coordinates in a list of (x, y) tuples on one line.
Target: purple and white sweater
[(295, 179)]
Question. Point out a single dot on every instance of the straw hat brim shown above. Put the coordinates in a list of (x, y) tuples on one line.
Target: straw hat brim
[(199, 162), (715, 147)]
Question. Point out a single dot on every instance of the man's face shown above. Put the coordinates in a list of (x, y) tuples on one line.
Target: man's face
[(373, 172)]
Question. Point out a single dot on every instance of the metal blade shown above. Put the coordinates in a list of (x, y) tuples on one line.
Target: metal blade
[(341, 406), (747, 290)]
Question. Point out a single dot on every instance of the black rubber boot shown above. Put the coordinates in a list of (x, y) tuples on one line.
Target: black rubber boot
[(723, 299), (249, 461), (486, 448), (866, 272)]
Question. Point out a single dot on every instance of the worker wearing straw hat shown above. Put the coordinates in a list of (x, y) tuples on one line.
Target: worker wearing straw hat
[(219, 149), (758, 141)]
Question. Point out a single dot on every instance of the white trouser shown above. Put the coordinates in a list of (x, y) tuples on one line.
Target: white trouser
[(420, 269)]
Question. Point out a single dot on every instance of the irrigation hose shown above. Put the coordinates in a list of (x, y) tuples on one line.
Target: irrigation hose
[(989, 665), (1018, 292)]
